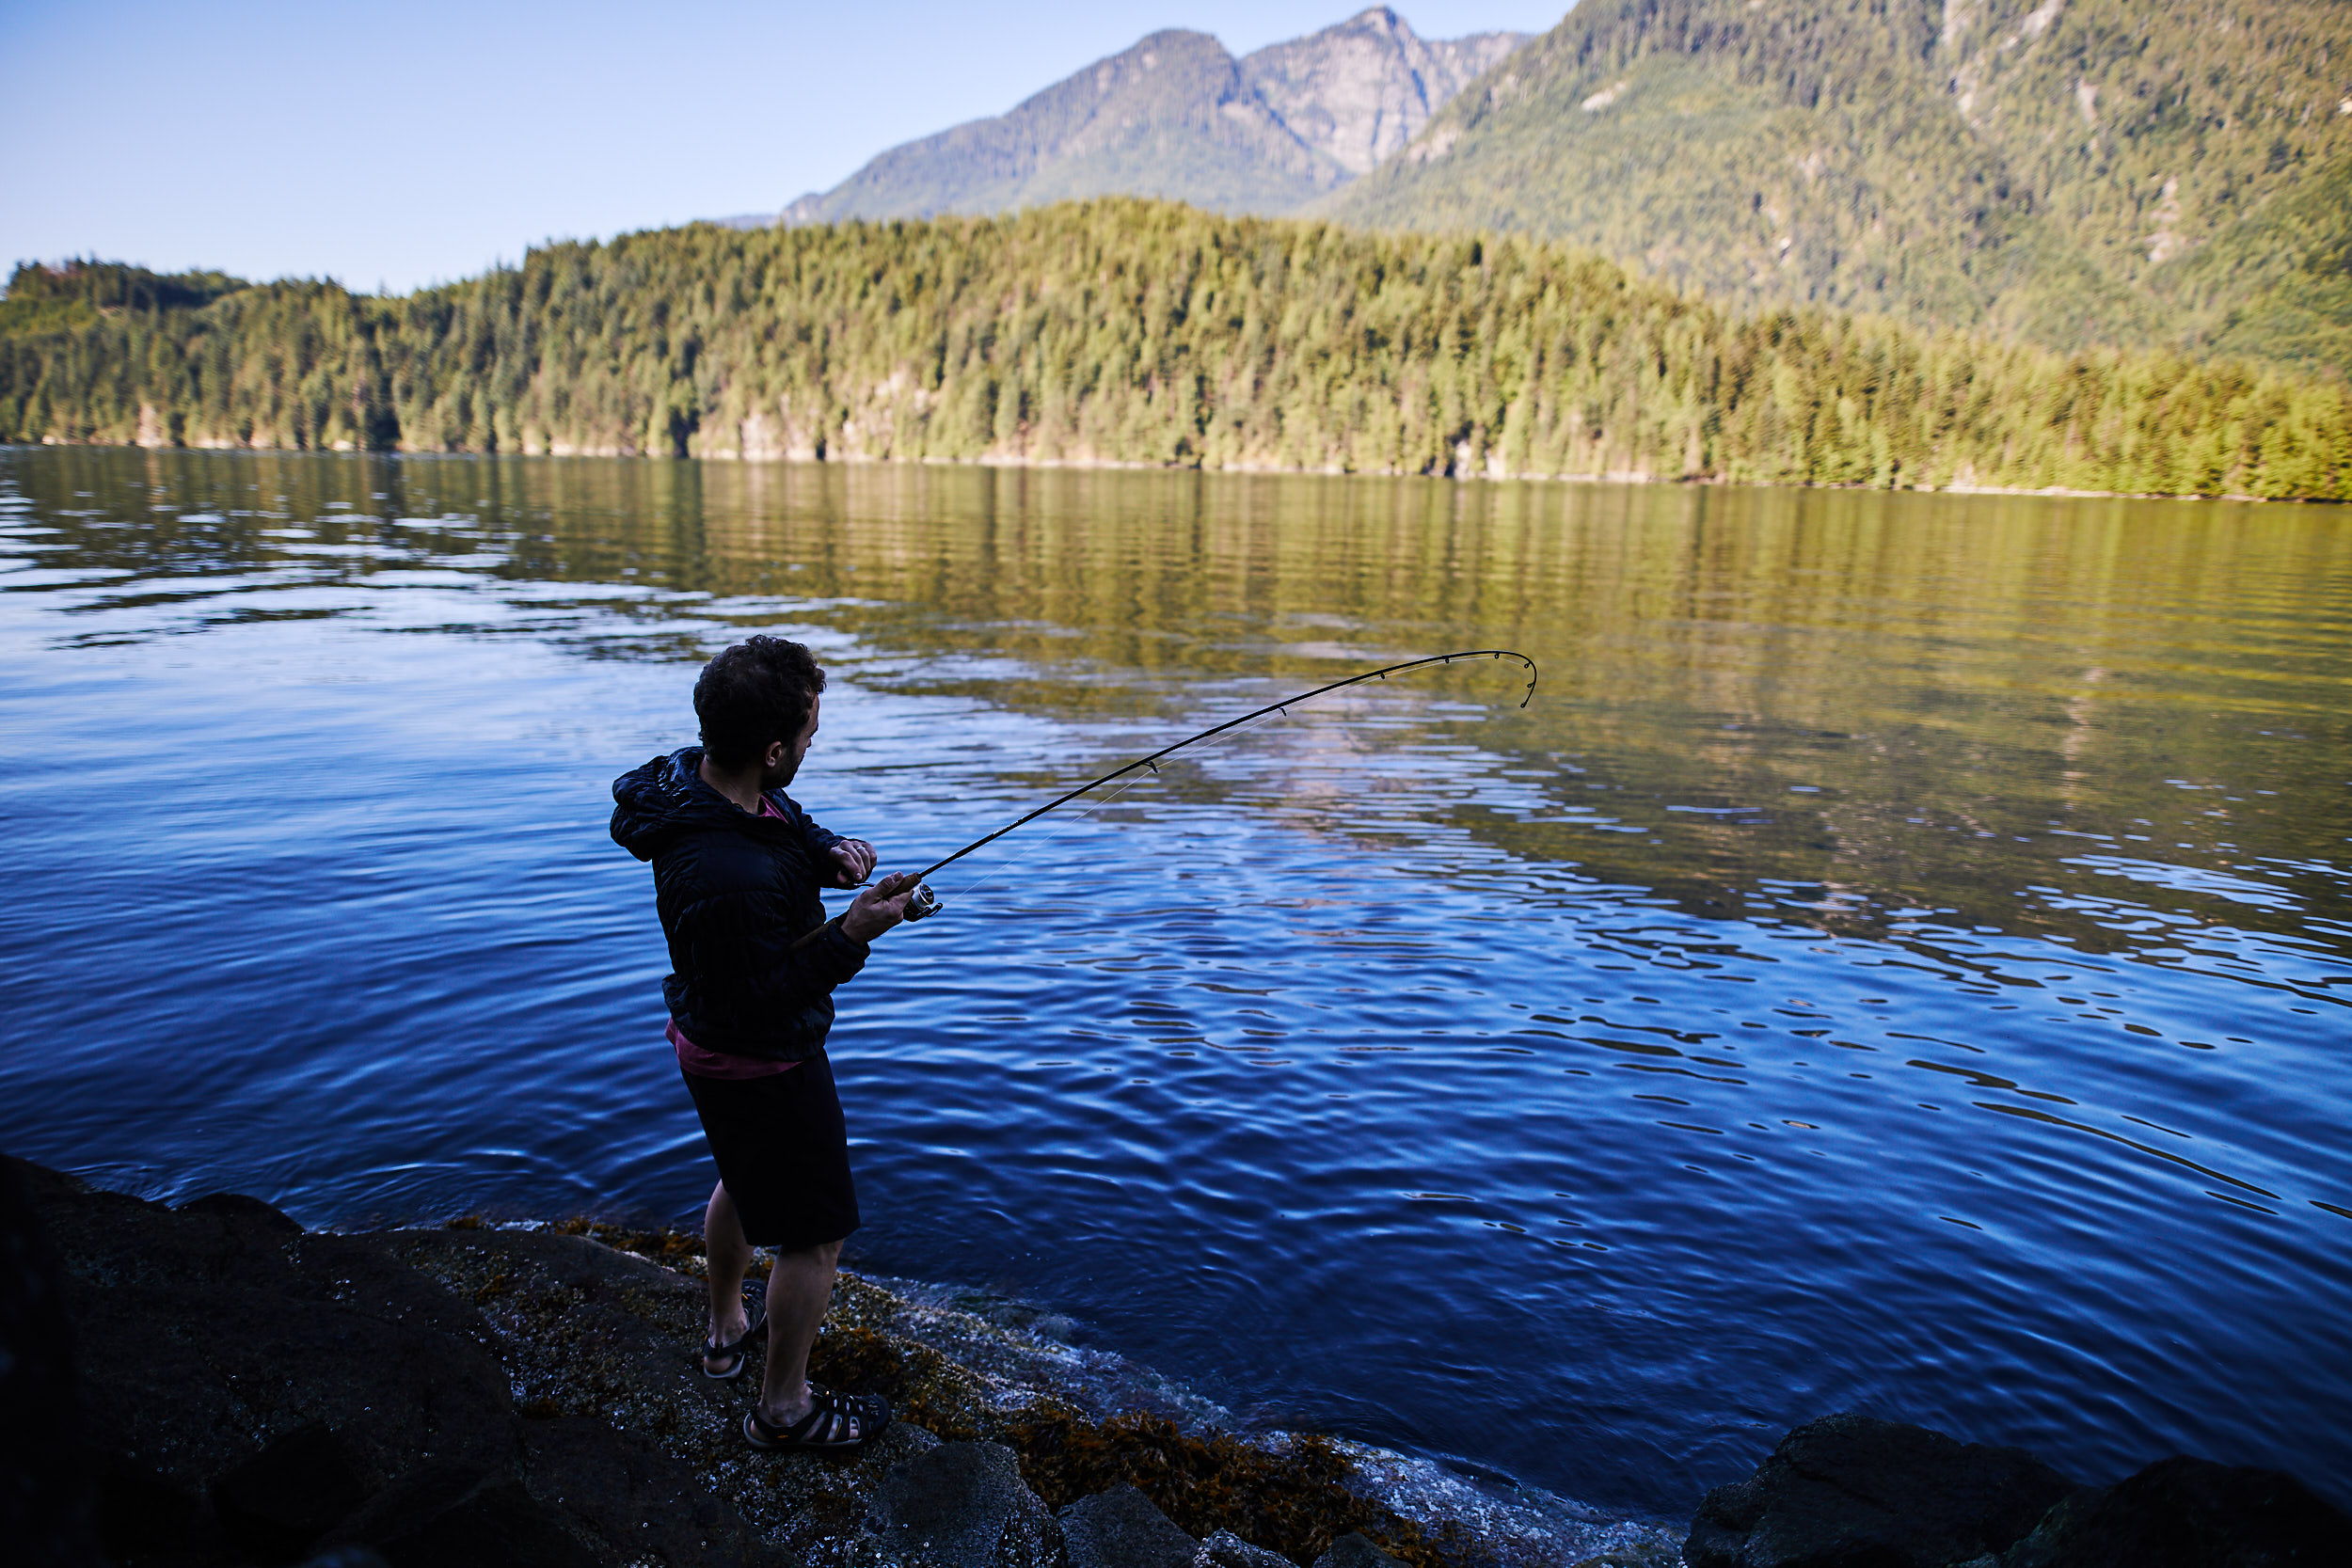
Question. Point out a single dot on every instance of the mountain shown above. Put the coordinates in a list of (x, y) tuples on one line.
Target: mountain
[(1179, 117), (2065, 171), (1171, 116), (1359, 91)]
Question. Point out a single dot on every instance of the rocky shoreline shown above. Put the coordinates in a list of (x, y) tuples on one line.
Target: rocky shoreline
[(253, 1393)]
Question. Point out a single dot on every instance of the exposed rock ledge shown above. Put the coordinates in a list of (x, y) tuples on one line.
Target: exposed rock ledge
[(258, 1394)]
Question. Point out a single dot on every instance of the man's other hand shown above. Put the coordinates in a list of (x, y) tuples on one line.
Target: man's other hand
[(853, 861), (880, 906)]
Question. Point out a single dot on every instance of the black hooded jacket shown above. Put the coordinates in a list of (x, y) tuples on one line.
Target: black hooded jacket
[(734, 892)]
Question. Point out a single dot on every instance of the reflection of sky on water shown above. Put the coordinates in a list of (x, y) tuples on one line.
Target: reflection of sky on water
[(2180, 878), (1874, 972)]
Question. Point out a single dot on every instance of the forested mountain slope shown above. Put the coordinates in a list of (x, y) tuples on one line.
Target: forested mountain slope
[(1134, 332), (1178, 117), (2063, 171)]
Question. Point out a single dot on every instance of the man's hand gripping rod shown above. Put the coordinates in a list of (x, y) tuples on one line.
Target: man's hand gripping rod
[(923, 903)]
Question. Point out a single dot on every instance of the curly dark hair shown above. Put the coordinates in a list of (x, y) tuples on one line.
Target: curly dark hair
[(757, 691)]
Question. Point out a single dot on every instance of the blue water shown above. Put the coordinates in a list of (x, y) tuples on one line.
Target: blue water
[(1899, 961)]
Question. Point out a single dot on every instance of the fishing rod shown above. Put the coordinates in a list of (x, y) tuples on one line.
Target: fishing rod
[(924, 903)]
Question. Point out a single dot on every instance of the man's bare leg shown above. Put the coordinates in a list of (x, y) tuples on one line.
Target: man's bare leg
[(799, 1288), (727, 1256)]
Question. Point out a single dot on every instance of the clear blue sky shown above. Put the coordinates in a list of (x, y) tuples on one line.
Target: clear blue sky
[(401, 144)]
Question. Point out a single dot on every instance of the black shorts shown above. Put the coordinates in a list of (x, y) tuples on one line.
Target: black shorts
[(782, 1153)]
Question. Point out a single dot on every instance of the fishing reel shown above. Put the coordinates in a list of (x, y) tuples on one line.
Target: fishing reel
[(922, 903)]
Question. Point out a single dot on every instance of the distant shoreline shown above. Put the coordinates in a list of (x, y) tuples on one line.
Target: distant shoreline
[(1087, 465)]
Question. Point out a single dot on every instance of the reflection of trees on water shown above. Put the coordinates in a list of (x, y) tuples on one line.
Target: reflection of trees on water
[(1827, 707)]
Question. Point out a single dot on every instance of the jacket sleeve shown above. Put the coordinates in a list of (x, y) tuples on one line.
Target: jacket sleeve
[(818, 839), (757, 977), (821, 841), (798, 977)]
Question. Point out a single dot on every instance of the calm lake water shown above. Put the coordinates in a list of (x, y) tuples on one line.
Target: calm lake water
[(1899, 961)]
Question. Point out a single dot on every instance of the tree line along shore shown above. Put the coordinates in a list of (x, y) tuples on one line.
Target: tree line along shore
[(1122, 331)]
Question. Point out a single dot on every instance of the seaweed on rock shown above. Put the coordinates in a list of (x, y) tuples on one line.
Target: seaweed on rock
[(1293, 1500)]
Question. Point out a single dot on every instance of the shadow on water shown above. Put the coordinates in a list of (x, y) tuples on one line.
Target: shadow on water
[(1900, 958)]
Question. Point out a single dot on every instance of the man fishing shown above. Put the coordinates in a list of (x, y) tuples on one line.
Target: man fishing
[(737, 865)]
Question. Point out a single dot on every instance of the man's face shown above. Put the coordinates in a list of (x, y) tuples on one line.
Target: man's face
[(783, 757)]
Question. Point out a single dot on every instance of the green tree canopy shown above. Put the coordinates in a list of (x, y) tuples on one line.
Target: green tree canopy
[(1137, 332)]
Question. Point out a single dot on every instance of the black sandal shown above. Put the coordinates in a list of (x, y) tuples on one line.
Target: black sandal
[(828, 1427), (871, 1411), (755, 1322)]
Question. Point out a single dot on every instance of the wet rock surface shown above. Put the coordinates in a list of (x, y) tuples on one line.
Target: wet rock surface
[(962, 1505), (473, 1395), (1227, 1550), (1353, 1551), (1854, 1489), (525, 1395), (1851, 1491), (264, 1393), (2190, 1513), (303, 1484), (47, 1490), (448, 1514), (1121, 1528)]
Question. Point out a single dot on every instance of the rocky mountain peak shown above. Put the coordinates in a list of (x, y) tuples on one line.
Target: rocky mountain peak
[(1175, 115), (1362, 90)]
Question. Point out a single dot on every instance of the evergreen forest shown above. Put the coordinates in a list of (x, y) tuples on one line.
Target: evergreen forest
[(1124, 331)]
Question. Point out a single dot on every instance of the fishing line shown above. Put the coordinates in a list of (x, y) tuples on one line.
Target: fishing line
[(1073, 823), (924, 903)]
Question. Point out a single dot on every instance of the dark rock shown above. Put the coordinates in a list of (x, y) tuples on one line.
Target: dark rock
[(601, 1337), (1120, 1528), (1355, 1551), (1227, 1550), (272, 1391), (278, 1503), (499, 1526), (46, 1492), (614, 1311), (450, 1515), (642, 1502), (139, 1512), (2190, 1513), (253, 1208), (223, 1330), (1852, 1492), (964, 1505), (821, 1521)]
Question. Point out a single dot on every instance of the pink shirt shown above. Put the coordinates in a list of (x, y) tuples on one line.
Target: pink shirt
[(717, 1064)]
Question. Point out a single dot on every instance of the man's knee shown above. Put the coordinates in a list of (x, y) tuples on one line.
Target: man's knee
[(824, 1255)]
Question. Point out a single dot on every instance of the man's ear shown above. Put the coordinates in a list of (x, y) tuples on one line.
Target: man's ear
[(775, 755)]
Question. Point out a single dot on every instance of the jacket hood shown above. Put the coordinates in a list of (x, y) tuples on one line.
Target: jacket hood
[(658, 802)]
